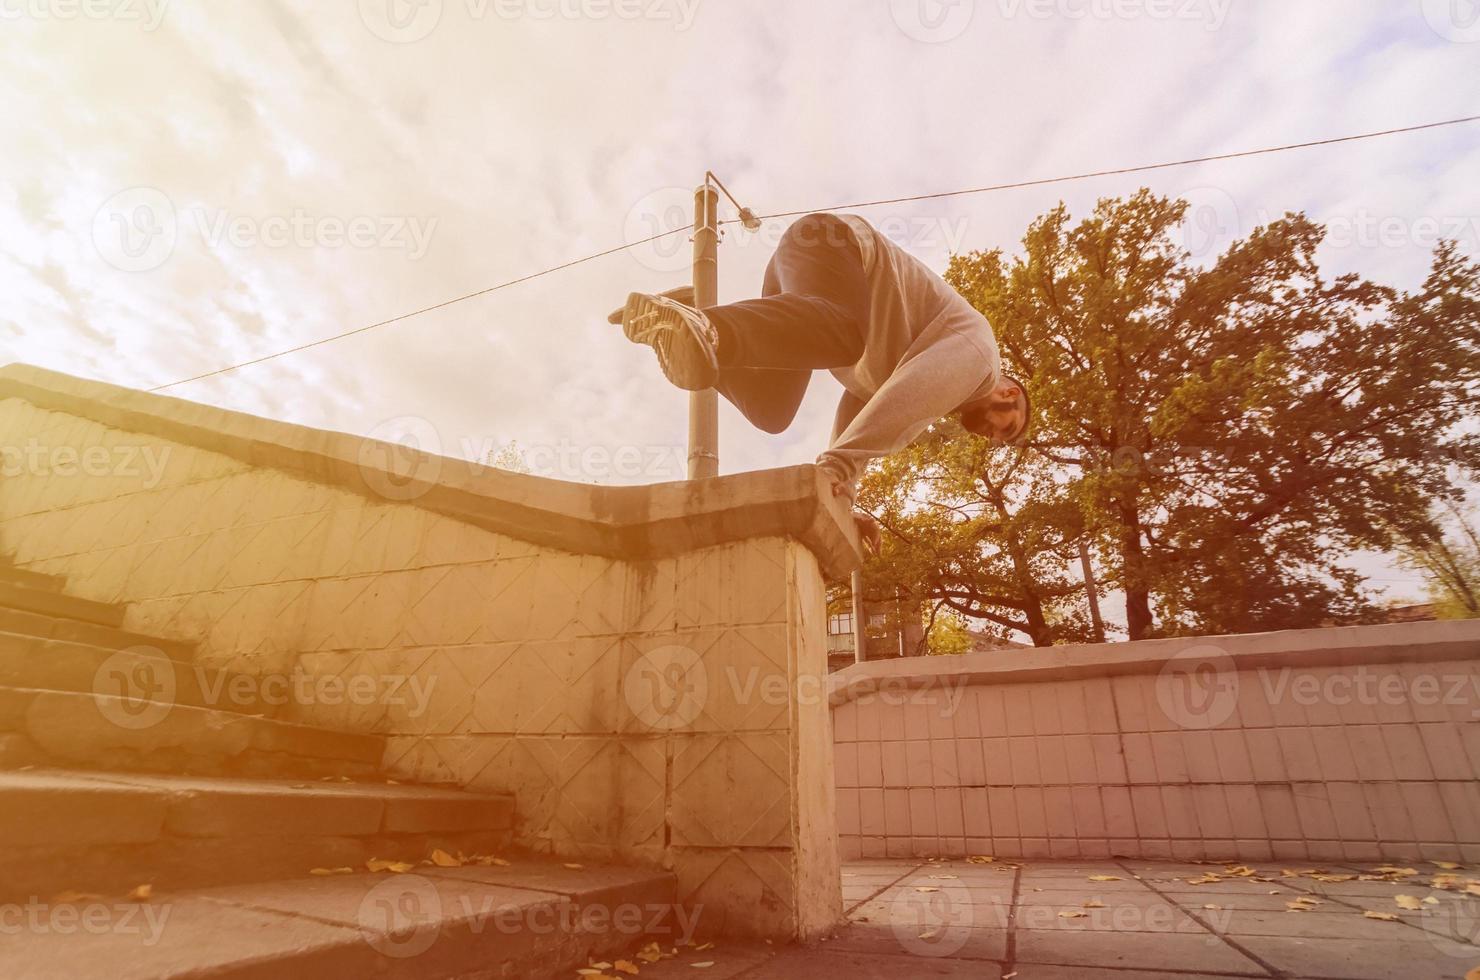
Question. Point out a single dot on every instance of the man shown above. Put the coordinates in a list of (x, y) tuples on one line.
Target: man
[(840, 296)]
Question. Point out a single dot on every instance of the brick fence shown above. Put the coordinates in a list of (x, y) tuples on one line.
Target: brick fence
[(1347, 744)]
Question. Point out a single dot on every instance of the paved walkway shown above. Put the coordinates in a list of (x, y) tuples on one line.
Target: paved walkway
[(1124, 920)]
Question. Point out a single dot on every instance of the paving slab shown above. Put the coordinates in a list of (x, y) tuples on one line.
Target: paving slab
[(1157, 951), (1374, 958), (125, 940)]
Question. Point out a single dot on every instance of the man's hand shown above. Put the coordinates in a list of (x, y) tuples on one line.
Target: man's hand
[(868, 528), (868, 533)]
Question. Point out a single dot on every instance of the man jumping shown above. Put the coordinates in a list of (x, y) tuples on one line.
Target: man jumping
[(840, 296)]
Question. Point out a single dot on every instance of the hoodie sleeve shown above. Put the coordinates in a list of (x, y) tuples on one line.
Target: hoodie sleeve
[(924, 388)]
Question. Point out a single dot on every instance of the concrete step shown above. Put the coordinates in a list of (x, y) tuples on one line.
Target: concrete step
[(55, 626), (15, 575), (533, 919), (56, 604), (136, 671), (83, 730), (101, 831)]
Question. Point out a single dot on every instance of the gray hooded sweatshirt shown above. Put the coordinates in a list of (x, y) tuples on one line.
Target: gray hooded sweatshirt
[(927, 351)]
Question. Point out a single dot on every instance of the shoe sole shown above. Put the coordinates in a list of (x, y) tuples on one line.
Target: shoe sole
[(681, 354)]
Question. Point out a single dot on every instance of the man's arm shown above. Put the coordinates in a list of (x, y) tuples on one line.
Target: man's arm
[(925, 388)]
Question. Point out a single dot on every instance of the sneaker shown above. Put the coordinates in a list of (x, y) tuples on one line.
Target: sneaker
[(682, 337)]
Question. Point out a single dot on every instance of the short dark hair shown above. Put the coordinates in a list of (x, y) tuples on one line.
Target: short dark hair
[(1027, 409), (975, 421)]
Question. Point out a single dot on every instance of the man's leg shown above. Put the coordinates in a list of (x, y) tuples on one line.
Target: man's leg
[(811, 315)]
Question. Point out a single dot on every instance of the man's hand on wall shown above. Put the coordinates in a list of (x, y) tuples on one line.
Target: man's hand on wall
[(868, 532)]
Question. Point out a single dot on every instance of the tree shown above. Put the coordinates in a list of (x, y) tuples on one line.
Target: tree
[(987, 534), (1451, 568), (1224, 435)]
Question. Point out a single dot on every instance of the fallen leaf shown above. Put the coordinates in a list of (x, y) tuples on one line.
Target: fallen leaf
[(444, 860), (576, 867), (702, 966), (1447, 865), (980, 859), (1093, 903), (1071, 914), (1380, 916), (1408, 902), (326, 872), (930, 934), (650, 953), (1431, 900), (142, 893), (1213, 907), (626, 966), (395, 867), (945, 876), (926, 888), (702, 947), (1104, 878)]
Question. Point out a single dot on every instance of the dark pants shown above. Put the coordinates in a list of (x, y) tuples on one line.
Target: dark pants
[(812, 314)]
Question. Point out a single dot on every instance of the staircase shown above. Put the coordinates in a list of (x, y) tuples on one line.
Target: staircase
[(128, 780)]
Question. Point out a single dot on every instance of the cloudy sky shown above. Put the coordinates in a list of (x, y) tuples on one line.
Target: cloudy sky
[(188, 184)]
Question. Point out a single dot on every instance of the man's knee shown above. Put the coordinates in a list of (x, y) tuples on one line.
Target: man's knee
[(818, 229)]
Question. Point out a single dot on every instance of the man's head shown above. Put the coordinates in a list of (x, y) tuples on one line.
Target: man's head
[(1002, 415)]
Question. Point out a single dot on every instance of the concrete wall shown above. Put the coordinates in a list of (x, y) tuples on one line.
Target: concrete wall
[(1352, 744), (605, 659)]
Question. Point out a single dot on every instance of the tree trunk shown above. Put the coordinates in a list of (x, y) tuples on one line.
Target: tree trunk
[(1137, 594)]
